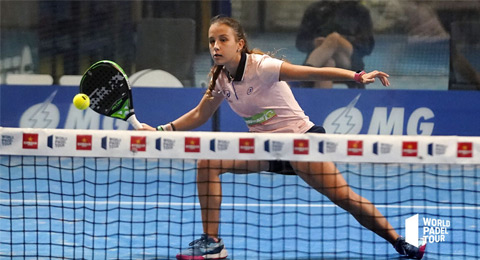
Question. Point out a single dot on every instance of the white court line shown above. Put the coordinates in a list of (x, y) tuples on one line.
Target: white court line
[(245, 205)]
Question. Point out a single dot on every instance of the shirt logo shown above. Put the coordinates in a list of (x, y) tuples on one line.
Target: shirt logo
[(138, 144), (84, 142), (246, 145), (192, 144), (300, 146), (261, 117), (30, 141)]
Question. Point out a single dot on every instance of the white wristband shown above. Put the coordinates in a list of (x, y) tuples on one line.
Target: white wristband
[(166, 127)]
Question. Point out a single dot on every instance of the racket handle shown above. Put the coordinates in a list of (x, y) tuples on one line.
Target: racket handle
[(134, 122)]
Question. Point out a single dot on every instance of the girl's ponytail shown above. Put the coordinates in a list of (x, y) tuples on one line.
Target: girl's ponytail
[(211, 86)]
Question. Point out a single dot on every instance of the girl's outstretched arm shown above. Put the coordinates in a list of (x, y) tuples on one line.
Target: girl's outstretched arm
[(291, 72)]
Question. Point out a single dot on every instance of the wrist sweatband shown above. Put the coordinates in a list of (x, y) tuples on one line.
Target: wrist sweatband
[(358, 76), (166, 127)]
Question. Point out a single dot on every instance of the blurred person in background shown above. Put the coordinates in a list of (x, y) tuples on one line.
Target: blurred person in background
[(420, 22), (336, 34)]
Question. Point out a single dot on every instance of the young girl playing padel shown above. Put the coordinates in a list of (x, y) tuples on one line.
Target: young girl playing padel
[(254, 84)]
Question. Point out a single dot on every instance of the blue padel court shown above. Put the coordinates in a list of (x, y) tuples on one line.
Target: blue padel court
[(77, 208)]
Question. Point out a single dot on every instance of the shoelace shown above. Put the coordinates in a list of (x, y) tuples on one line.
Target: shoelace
[(406, 249), (202, 241)]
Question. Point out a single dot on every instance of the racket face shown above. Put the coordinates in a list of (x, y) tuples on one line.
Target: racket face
[(107, 86)]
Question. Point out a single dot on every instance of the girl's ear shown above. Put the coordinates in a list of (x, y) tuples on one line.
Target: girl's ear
[(241, 44)]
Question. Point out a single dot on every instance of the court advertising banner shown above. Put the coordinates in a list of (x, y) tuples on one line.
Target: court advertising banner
[(340, 111), (248, 146)]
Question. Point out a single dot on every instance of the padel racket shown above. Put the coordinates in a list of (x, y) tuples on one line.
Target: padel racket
[(110, 93)]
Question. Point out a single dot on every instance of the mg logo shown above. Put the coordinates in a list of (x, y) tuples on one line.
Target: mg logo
[(384, 120)]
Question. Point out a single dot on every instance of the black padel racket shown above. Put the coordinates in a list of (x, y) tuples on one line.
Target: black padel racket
[(110, 93)]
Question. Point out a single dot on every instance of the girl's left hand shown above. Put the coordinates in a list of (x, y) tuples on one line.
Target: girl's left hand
[(146, 127), (369, 77)]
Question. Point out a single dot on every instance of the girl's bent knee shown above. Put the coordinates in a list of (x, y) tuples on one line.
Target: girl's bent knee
[(203, 164)]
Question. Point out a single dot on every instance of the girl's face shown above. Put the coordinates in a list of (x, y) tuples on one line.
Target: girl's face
[(224, 47)]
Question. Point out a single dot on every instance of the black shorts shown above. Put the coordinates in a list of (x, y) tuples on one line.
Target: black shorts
[(284, 167)]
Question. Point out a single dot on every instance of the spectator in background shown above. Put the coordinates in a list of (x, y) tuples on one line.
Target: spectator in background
[(421, 23), (336, 34)]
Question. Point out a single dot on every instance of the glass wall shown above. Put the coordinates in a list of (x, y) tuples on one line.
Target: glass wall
[(421, 44)]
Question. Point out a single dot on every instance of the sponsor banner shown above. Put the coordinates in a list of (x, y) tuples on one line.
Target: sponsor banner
[(247, 146), (51, 107), (30, 141), (84, 142), (340, 111), (138, 143)]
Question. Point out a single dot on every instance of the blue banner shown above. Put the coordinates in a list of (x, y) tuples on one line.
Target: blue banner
[(342, 111)]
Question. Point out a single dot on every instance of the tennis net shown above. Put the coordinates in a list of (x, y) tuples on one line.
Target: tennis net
[(86, 194)]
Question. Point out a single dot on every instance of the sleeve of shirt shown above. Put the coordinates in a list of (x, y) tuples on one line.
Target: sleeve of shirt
[(269, 69)]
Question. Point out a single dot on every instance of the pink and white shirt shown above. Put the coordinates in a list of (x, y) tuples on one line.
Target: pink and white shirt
[(256, 94)]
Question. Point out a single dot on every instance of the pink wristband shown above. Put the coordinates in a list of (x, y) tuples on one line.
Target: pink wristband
[(358, 76)]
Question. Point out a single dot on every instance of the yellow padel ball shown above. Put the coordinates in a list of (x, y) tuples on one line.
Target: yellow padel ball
[(81, 101)]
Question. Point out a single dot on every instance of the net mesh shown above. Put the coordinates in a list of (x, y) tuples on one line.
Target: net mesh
[(83, 207)]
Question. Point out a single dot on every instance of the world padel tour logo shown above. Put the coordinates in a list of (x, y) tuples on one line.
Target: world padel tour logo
[(433, 230), (381, 148), (409, 149), (30, 141), (84, 142), (219, 145), (434, 149), (273, 146), (110, 143), (246, 145), (465, 150), (192, 144), (138, 144), (164, 144), (55, 141), (327, 147), (7, 140), (355, 148), (300, 146)]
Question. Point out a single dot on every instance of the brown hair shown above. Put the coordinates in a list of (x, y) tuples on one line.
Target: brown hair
[(239, 35)]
